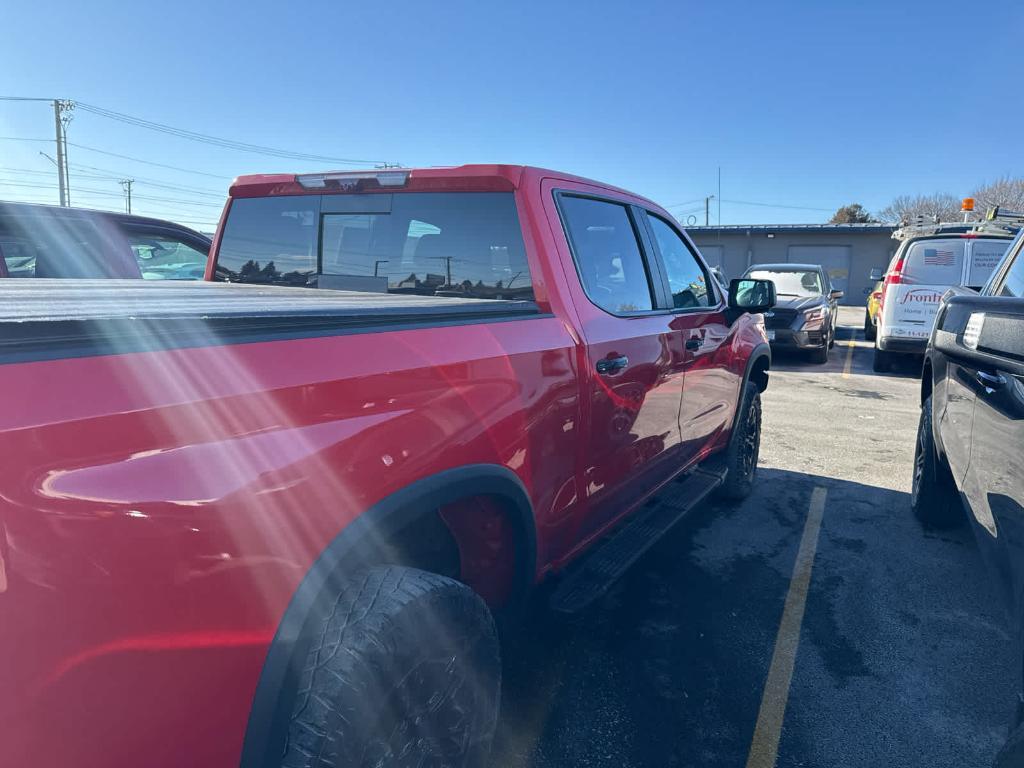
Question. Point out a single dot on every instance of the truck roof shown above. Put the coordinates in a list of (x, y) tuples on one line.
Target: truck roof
[(458, 178)]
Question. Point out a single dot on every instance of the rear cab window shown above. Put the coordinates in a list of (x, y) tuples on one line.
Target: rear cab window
[(462, 244)]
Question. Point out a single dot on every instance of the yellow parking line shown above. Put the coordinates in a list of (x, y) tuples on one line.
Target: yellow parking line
[(851, 344), (764, 747)]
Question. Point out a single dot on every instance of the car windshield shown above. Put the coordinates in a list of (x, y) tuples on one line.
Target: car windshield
[(791, 282)]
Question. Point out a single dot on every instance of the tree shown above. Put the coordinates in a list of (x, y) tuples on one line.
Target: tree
[(909, 207), (1006, 192), (853, 213)]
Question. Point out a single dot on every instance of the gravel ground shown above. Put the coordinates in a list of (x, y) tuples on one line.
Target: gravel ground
[(903, 655)]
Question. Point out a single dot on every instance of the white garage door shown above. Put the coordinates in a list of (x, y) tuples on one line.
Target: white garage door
[(834, 258)]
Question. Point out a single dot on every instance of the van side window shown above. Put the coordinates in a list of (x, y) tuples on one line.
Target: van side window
[(607, 253)]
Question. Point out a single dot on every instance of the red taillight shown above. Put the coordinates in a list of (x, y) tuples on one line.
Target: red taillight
[(895, 275)]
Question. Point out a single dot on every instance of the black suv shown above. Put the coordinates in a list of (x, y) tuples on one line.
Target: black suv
[(46, 241), (804, 316), (970, 441)]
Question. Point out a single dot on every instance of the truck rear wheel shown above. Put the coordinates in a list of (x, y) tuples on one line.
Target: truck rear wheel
[(744, 447), (404, 670), (933, 494)]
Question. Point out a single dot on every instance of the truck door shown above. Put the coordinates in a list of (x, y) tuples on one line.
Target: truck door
[(712, 386), (994, 485), (632, 371)]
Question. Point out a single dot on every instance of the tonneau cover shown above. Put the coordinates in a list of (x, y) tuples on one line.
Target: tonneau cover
[(39, 300), (45, 319)]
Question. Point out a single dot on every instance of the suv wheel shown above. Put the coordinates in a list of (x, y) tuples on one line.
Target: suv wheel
[(820, 355), (869, 327), (933, 494), (404, 671), (744, 447)]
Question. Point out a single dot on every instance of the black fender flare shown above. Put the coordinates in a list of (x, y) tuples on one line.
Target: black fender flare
[(761, 351), (355, 546)]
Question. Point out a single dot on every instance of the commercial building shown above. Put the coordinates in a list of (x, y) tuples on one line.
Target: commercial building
[(848, 251)]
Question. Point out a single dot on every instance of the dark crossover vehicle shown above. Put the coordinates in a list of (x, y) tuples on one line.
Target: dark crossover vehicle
[(805, 315), (970, 441), (47, 241)]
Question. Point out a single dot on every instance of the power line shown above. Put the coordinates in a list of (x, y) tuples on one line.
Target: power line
[(685, 202), (775, 205), (153, 182), (238, 146), (148, 162), (124, 157), (34, 185)]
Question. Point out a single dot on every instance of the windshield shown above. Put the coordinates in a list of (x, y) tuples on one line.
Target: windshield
[(791, 282)]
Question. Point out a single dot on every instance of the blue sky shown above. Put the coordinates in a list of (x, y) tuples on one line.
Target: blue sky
[(804, 104)]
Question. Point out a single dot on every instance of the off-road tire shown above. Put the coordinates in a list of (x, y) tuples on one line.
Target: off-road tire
[(933, 495), (404, 670), (744, 446), (882, 362)]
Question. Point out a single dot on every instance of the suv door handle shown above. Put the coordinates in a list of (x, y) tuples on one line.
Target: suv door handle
[(695, 343), (991, 382), (612, 364)]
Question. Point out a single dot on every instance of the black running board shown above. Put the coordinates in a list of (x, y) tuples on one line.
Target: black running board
[(590, 578)]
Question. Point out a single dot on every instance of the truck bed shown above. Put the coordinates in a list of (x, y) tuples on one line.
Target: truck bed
[(46, 319)]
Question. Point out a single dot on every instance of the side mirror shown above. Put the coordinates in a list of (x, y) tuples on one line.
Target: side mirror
[(749, 295), (836, 295), (876, 275)]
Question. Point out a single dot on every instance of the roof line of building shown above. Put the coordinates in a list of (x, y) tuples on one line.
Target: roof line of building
[(872, 227)]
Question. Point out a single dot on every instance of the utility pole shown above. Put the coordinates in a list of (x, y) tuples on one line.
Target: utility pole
[(707, 209), (61, 117), (60, 152), (126, 185)]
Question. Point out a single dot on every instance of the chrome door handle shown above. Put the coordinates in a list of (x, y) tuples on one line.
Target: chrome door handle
[(991, 382)]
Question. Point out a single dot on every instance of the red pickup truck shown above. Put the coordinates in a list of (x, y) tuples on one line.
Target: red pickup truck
[(270, 525)]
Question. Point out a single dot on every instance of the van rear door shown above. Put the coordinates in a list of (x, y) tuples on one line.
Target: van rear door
[(929, 268)]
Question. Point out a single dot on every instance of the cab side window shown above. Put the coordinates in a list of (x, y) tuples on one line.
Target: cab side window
[(608, 256), (687, 279)]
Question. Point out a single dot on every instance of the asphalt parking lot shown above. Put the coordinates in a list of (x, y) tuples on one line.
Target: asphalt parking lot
[(816, 624)]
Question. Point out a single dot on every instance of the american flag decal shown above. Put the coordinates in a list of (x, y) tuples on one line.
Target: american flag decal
[(938, 257)]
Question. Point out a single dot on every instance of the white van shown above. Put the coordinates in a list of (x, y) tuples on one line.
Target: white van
[(922, 269)]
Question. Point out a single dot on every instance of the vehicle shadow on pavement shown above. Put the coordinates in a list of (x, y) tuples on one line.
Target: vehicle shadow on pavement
[(842, 359), (903, 657)]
